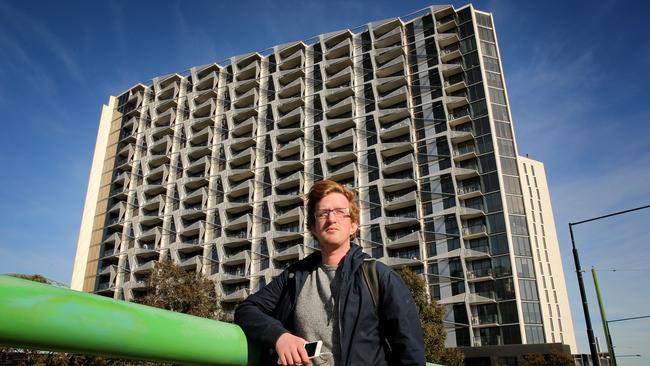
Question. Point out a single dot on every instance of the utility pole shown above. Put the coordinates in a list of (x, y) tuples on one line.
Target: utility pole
[(608, 336), (583, 295)]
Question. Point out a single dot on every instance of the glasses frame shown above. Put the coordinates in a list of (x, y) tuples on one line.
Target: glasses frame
[(339, 213)]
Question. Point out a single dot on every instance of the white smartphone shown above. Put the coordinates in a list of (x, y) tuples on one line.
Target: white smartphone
[(313, 349)]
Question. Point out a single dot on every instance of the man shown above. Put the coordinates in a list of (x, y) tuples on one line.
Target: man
[(324, 297)]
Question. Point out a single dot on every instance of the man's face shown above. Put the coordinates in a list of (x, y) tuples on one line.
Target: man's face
[(331, 230)]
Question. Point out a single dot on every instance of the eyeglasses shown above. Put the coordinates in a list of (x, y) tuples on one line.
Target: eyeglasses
[(338, 213)]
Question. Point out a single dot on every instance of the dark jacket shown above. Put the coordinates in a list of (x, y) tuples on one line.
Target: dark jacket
[(267, 314)]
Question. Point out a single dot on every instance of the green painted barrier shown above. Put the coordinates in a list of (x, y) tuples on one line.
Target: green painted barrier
[(44, 317)]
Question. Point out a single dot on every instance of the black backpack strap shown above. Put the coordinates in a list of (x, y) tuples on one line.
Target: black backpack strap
[(370, 277)]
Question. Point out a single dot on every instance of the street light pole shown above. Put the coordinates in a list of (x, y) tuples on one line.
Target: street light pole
[(608, 336), (583, 295), (585, 305)]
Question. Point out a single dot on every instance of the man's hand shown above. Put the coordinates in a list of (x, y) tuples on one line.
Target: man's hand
[(291, 350)]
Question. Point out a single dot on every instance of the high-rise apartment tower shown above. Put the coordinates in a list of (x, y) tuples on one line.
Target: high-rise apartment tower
[(206, 169)]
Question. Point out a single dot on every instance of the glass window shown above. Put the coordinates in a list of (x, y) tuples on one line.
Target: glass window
[(506, 147), (515, 205), (508, 311), (518, 225), (511, 335), (511, 185), (488, 163), (496, 223), (484, 144), (484, 20), (479, 109), (509, 166), (467, 45), (493, 79), (521, 246), (490, 182), (497, 96), (532, 313), (489, 49), (485, 34), (524, 267), (528, 290), (500, 112), (502, 266), (534, 334), (491, 64), (498, 244), (503, 129)]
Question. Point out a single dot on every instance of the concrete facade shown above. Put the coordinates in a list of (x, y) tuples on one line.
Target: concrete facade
[(207, 170)]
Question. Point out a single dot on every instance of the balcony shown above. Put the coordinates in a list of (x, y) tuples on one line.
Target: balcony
[(243, 113), (454, 85), (293, 61), (333, 66), (336, 94), (458, 137), (241, 188), (474, 232), (390, 68), (241, 87), (165, 119), (400, 239), (391, 98), (251, 71), (466, 213), (494, 340), (284, 252), (207, 79), (390, 38), (450, 53), (294, 113), (340, 108), (340, 49), (143, 266), (387, 54), (341, 78), (446, 23), (454, 102), (469, 191), (390, 115), (485, 320), (485, 297), (286, 77), (286, 216), (341, 138), (475, 253), (235, 296), (395, 129), (333, 125), (235, 256), (129, 136), (295, 88), (199, 124), (481, 275), (399, 199), (465, 152), (447, 39), (387, 84), (396, 164)]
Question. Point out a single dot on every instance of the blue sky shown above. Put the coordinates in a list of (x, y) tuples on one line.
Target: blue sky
[(575, 78)]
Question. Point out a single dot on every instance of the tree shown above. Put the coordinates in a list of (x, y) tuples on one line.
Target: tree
[(173, 288), (431, 315)]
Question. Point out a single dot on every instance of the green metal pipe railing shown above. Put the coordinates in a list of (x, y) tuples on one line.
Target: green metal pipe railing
[(44, 317)]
